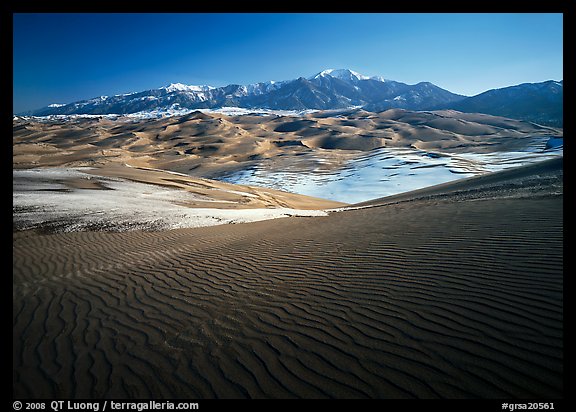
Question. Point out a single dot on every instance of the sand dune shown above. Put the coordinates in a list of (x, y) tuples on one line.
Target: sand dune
[(453, 291), (115, 197), (445, 296), (210, 145)]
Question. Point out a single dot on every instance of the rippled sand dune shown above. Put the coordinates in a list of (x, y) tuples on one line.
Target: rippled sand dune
[(451, 293)]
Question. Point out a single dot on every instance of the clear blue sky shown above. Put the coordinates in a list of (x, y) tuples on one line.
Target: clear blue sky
[(60, 58)]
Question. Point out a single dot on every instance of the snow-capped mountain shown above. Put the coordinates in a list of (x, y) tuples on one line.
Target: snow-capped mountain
[(328, 89), (342, 74), (179, 87)]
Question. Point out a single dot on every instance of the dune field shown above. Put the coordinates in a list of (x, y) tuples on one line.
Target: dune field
[(211, 145), (450, 291)]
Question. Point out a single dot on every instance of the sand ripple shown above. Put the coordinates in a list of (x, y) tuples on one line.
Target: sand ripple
[(422, 299)]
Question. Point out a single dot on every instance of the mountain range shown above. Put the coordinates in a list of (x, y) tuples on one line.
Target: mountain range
[(331, 89), (540, 103)]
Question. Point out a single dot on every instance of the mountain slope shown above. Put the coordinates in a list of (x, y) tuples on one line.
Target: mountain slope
[(540, 103)]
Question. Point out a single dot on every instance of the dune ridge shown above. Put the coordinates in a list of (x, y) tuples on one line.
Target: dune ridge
[(423, 297), (211, 145)]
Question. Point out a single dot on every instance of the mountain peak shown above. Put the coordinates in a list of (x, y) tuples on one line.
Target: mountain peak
[(180, 87), (345, 75), (342, 74)]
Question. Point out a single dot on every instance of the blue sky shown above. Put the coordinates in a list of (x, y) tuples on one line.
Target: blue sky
[(60, 58)]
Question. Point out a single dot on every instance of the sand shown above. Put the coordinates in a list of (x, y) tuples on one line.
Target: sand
[(347, 156), (118, 198), (211, 145), (453, 293)]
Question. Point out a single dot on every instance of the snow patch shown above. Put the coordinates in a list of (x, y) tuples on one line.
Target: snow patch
[(240, 111), (385, 171), (342, 74), (378, 78), (40, 199), (174, 87)]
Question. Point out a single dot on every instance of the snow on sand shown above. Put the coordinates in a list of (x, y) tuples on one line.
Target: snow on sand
[(49, 198)]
